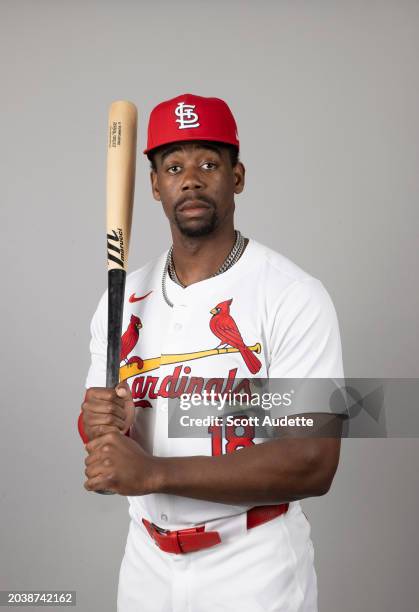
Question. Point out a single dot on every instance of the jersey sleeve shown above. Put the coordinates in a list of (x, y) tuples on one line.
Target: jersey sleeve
[(96, 376), (305, 337)]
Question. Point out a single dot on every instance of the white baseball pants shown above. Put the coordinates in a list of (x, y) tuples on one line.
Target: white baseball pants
[(266, 569)]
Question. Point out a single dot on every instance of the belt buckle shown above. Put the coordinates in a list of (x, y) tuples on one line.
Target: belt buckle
[(183, 540), (165, 539), (160, 529)]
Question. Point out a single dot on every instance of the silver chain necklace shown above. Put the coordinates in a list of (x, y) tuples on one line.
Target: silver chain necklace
[(231, 259)]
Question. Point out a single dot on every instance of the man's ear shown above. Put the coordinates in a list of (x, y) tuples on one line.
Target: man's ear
[(239, 172), (154, 185)]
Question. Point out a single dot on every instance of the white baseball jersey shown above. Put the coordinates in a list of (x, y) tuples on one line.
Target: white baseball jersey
[(273, 302)]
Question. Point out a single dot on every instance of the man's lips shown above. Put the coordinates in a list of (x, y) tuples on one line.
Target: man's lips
[(193, 205)]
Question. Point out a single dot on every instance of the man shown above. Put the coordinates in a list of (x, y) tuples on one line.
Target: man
[(215, 521)]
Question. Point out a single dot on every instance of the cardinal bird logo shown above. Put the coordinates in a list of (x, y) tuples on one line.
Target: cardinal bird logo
[(129, 339), (225, 328)]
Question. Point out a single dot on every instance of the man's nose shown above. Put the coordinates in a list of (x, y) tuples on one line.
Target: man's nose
[(192, 179)]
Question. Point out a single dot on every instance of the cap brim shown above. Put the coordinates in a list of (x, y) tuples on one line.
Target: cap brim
[(193, 138)]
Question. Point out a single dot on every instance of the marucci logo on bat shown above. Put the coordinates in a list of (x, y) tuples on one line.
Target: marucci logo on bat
[(116, 245)]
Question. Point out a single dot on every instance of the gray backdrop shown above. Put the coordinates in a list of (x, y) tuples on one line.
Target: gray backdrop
[(326, 97)]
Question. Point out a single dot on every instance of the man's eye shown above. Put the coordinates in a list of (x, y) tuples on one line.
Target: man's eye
[(173, 169), (210, 165)]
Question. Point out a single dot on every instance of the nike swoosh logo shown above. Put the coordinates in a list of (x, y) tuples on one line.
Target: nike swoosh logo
[(133, 299)]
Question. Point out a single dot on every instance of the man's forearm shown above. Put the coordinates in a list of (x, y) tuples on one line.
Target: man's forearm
[(275, 471)]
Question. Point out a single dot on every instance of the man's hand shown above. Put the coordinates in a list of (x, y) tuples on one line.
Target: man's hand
[(117, 463), (105, 410)]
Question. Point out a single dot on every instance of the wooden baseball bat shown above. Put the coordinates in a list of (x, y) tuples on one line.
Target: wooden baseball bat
[(120, 183)]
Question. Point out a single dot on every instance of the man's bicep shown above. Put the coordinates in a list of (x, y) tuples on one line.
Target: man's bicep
[(315, 439)]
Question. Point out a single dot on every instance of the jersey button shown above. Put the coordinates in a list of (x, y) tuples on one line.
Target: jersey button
[(163, 517), (177, 326)]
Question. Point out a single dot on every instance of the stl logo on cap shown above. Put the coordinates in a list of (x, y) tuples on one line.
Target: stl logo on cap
[(187, 117)]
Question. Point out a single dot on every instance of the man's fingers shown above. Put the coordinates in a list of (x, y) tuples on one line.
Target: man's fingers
[(104, 407), (103, 394), (101, 430), (129, 414), (98, 484), (122, 390), (106, 419), (93, 458), (102, 441), (95, 469)]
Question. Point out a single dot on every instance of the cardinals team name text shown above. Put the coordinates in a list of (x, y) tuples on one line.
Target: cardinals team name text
[(175, 386)]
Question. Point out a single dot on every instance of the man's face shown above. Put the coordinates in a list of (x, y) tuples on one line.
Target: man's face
[(196, 183)]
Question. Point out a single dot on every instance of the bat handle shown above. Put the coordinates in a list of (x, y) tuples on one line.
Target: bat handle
[(116, 289)]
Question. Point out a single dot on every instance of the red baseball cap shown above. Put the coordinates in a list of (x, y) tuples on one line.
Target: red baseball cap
[(190, 117)]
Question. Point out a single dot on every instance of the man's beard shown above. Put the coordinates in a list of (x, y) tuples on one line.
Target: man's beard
[(204, 228)]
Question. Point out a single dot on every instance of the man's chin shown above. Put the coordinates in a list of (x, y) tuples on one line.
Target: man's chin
[(195, 229)]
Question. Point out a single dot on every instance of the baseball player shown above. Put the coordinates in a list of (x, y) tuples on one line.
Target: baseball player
[(216, 523)]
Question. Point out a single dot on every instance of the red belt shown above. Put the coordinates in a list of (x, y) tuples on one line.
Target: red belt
[(196, 538)]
